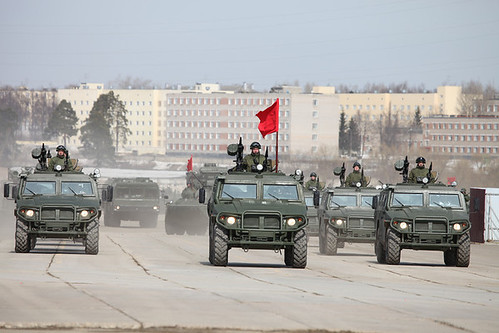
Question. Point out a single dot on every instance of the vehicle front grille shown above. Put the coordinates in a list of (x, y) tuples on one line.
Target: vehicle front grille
[(356, 222), (431, 226), (256, 221), (52, 213)]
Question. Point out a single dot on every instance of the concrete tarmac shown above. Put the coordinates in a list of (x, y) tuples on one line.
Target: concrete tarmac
[(144, 279)]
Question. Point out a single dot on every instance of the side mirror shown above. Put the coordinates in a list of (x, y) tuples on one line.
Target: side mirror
[(165, 196), (6, 190), (14, 191), (317, 197), (104, 195), (109, 194), (202, 194), (374, 202)]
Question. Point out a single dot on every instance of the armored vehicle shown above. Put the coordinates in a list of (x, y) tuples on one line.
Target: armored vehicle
[(132, 199), (422, 216), (186, 214), (346, 215), (55, 204), (256, 210)]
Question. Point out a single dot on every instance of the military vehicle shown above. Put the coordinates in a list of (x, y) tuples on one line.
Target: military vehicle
[(186, 214), (346, 215), (132, 199), (421, 216), (55, 204), (256, 210)]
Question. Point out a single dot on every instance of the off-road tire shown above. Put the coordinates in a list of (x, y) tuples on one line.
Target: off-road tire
[(92, 240), (32, 242), (288, 256), (211, 251), (331, 241), (392, 247), (220, 246), (450, 257), (23, 243), (379, 249), (300, 249), (463, 251)]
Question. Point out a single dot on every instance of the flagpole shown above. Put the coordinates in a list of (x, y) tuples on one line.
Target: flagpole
[(277, 151)]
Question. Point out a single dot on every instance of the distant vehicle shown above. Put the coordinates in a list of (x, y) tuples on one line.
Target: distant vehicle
[(256, 210), (346, 215), (55, 204), (187, 215), (132, 199), (422, 216)]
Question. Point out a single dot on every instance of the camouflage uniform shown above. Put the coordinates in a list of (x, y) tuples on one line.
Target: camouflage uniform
[(253, 159), (310, 184), (417, 174), (56, 160), (355, 177)]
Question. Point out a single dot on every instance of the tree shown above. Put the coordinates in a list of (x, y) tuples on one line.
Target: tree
[(416, 122), (8, 125), (342, 137), (118, 121), (353, 135), (62, 122)]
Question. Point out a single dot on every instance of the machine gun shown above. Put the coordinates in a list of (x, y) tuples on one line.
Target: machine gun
[(362, 181), (405, 171), (340, 171), (237, 150), (266, 162), (429, 176), (41, 154)]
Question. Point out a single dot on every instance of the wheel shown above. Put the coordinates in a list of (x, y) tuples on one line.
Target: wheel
[(23, 243), (322, 240), (379, 249), (211, 253), (220, 246), (450, 257), (331, 241), (299, 249), (288, 256), (463, 251), (32, 242), (392, 248), (92, 239)]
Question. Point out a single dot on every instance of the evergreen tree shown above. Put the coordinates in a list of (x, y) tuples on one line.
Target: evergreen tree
[(343, 137), (416, 123), (62, 122), (353, 136)]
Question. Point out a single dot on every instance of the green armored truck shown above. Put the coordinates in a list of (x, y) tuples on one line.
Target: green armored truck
[(256, 210), (132, 199), (421, 216), (346, 215), (55, 204)]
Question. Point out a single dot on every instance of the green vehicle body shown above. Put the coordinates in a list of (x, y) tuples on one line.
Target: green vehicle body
[(422, 217), (187, 215), (56, 205), (312, 214), (346, 215), (132, 199), (245, 212)]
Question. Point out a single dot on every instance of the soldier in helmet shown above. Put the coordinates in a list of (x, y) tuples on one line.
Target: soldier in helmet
[(61, 159), (250, 161), (189, 192), (313, 182), (355, 177), (418, 173)]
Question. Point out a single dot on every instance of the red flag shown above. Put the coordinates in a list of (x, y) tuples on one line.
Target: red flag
[(189, 164), (269, 119)]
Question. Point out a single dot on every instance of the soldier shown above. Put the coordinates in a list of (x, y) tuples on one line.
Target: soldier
[(189, 192), (313, 182), (356, 177), (419, 172), (250, 161), (61, 159)]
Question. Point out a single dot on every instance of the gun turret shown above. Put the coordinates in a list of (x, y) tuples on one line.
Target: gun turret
[(237, 150), (40, 154)]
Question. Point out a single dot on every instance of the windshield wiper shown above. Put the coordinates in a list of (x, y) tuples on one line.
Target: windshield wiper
[(27, 189), (337, 205), (403, 205), (72, 190), (228, 195), (273, 196)]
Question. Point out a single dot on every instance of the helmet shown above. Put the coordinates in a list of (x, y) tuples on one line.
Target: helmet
[(356, 164), (256, 145), (463, 190), (420, 159), (60, 147), (313, 174)]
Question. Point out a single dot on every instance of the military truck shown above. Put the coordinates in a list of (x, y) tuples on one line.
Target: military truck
[(186, 214), (256, 210), (132, 199), (421, 216), (55, 204), (346, 215)]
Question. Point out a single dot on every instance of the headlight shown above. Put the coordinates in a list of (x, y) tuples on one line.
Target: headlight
[(84, 213), (155, 208), (403, 225), (116, 207), (339, 222), (231, 220), (30, 213), (457, 227), (291, 222)]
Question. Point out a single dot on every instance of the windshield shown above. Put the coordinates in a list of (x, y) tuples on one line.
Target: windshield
[(309, 201), (367, 200), (280, 192), (238, 191), (80, 188), (445, 200), (39, 187), (343, 200), (407, 199), (136, 193)]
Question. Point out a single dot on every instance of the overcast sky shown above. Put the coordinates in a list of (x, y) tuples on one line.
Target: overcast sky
[(263, 42)]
